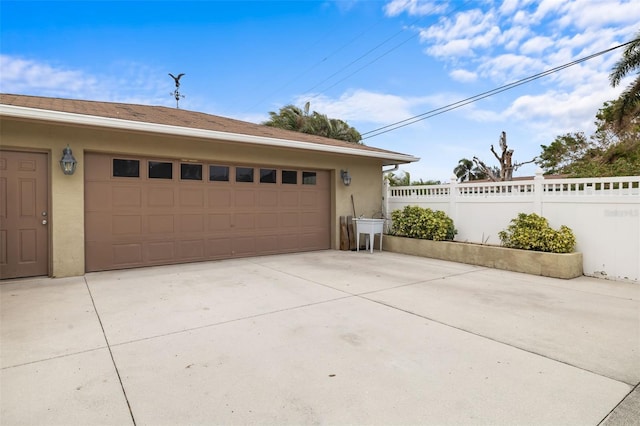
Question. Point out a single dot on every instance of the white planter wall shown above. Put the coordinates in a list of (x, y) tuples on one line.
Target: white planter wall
[(604, 214)]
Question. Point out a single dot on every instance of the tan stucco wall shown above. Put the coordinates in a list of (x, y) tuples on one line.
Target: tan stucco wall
[(67, 192)]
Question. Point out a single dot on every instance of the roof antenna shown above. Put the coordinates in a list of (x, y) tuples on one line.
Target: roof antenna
[(176, 94)]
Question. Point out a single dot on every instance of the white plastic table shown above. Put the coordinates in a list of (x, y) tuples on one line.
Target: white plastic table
[(371, 227)]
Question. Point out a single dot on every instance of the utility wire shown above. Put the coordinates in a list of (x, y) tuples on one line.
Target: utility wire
[(455, 105), (460, 5), (318, 63)]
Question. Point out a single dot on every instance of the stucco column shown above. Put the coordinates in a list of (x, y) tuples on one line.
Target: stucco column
[(67, 215)]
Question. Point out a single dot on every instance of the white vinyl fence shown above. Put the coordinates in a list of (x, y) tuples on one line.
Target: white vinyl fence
[(604, 214)]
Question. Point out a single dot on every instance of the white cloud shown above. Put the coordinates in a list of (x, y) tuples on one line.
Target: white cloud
[(589, 14), (364, 106), (466, 25), (414, 7), (536, 45), (132, 83), (463, 75), (509, 67), (453, 48), (20, 74)]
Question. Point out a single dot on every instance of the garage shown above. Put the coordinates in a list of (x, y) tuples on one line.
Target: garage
[(143, 211)]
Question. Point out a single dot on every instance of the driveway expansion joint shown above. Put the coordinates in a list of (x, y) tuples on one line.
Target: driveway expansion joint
[(115, 366), (498, 341)]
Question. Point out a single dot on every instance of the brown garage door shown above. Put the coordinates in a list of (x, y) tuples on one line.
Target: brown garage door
[(141, 212)]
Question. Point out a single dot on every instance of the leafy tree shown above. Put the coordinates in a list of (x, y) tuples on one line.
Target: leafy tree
[(290, 117), (613, 150), (426, 182), (630, 61), (565, 150), (404, 179), (401, 179)]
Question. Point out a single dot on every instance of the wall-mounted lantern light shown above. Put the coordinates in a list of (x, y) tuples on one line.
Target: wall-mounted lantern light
[(68, 163), (346, 177)]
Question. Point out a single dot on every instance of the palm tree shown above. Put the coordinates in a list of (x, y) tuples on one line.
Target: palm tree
[(464, 170), (630, 61), (291, 117)]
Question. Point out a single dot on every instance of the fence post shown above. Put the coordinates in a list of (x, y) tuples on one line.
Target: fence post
[(453, 198), (386, 193), (537, 192)]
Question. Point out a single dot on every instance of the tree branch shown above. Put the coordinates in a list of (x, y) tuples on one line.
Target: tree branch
[(516, 165), (486, 169)]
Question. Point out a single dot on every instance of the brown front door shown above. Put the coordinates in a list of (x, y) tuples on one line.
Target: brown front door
[(23, 214)]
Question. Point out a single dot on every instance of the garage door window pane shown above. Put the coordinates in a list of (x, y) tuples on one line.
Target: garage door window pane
[(160, 170), (219, 173), (290, 177), (267, 176), (244, 174), (308, 178), (126, 168), (190, 171)]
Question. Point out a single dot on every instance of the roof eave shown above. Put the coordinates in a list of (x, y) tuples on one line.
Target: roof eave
[(116, 123)]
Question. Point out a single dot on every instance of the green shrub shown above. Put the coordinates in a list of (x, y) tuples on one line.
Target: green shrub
[(417, 222), (532, 232)]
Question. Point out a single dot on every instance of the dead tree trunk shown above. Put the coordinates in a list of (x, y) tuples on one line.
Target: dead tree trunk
[(507, 167)]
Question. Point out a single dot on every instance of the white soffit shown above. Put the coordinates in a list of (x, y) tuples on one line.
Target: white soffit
[(116, 123)]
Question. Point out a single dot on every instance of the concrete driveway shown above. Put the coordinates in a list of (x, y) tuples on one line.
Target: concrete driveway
[(326, 337)]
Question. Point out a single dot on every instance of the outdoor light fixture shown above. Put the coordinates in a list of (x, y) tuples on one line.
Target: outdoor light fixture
[(346, 177), (68, 163)]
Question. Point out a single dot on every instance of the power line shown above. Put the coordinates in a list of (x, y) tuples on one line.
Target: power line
[(378, 57), (455, 105), (318, 63)]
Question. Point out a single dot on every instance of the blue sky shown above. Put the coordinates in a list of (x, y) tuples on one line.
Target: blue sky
[(370, 63)]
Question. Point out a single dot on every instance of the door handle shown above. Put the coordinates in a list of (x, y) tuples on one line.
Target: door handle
[(44, 221)]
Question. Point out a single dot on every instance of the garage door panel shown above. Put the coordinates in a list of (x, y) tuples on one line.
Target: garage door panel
[(289, 220), (100, 167), (311, 219), (192, 197), (243, 246), (136, 220), (244, 198), (267, 244), (97, 196), (98, 256), (220, 222), (100, 223), (309, 199), (161, 251), (267, 221), (192, 223), (219, 198), (289, 199), (267, 199), (127, 254), (126, 196), (191, 249), (126, 225), (244, 221), (289, 242), (161, 224), (219, 248), (160, 197)]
